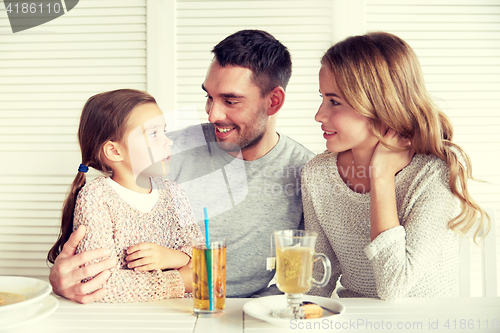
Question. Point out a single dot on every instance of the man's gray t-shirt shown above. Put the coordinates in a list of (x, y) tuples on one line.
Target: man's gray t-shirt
[(246, 200)]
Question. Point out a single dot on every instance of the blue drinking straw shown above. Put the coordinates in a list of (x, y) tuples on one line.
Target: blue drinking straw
[(207, 228), (208, 260)]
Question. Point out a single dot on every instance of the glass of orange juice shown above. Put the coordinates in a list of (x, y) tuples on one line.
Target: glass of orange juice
[(209, 277)]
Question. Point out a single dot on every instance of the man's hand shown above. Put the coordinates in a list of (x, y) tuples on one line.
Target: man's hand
[(67, 273), (149, 256)]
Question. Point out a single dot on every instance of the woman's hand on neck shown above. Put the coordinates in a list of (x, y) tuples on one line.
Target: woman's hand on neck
[(385, 162)]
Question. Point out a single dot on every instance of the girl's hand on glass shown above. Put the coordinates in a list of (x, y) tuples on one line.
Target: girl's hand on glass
[(385, 163), (150, 256)]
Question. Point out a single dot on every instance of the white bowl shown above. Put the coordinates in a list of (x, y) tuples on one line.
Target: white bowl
[(33, 289)]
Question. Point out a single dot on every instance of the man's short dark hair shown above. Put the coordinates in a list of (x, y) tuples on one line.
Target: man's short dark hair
[(259, 51)]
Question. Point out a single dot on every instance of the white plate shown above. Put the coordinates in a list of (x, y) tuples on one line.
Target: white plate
[(47, 307), (33, 289), (262, 307)]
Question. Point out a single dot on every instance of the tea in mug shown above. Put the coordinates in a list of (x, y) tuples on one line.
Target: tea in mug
[(294, 266), (201, 300)]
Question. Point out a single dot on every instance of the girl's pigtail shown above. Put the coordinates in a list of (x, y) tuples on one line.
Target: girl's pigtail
[(67, 216), (104, 117)]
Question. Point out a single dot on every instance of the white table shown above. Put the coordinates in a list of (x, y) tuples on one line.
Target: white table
[(366, 315)]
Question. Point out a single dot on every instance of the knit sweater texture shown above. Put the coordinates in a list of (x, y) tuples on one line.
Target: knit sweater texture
[(419, 258), (112, 223)]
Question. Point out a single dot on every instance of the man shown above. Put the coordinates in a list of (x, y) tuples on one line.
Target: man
[(258, 169)]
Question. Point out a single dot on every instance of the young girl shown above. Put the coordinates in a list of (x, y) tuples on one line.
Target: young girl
[(389, 197), (146, 221)]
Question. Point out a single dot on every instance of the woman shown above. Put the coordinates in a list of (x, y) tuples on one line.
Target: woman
[(389, 197)]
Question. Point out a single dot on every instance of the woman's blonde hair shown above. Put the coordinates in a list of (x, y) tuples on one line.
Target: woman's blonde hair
[(379, 75)]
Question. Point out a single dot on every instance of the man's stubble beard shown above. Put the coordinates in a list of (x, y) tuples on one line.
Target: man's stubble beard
[(251, 139)]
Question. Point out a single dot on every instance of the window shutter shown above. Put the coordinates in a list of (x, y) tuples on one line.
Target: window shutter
[(305, 27), (48, 72), (458, 44)]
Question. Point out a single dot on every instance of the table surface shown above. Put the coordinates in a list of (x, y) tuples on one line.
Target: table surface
[(362, 314)]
